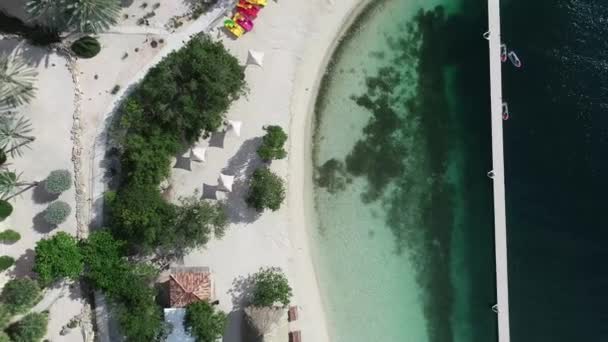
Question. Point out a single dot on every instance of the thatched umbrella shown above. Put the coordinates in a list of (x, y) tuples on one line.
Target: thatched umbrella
[(264, 319)]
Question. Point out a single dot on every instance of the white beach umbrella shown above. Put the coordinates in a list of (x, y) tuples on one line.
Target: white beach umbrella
[(235, 126), (255, 57), (226, 182), (197, 154)]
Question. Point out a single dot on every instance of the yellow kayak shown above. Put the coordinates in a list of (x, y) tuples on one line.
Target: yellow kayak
[(233, 27), (257, 2)]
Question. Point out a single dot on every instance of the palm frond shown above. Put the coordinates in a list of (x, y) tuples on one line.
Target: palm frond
[(14, 132), (16, 81), (52, 12), (92, 15), (9, 183)]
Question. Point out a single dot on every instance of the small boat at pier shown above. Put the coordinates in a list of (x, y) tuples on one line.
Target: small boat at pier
[(514, 59)]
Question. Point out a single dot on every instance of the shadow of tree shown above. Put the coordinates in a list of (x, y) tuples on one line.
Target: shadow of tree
[(41, 225), (40, 195), (23, 265), (242, 287), (241, 166)]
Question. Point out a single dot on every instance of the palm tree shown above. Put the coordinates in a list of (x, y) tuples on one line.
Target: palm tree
[(14, 132), (16, 81), (52, 12), (80, 15), (11, 185), (93, 15)]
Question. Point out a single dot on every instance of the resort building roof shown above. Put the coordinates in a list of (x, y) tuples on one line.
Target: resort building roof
[(188, 285)]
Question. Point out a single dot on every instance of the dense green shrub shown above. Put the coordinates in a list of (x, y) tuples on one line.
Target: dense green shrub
[(6, 262), (203, 322), (57, 257), (5, 317), (31, 328), (196, 221), (270, 287), (189, 91), (272, 144), (86, 47), (9, 236), (58, 181), (146, 159), (57, 212), (102, 257), (6, 209), (4, 337), (19, 295), (266, 190), (140, 216)]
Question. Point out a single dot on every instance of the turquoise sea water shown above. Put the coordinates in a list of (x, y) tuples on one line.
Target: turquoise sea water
[(404, 244)]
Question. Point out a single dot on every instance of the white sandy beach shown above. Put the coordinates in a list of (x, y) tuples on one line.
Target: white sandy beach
[(297, 38)]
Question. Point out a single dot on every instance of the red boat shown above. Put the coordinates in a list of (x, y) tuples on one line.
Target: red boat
[(247, 9)]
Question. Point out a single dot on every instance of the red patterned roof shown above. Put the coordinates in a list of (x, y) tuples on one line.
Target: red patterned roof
[(188, 285)]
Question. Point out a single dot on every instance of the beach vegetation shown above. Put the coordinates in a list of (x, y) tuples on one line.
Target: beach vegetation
[(57, 212), (14, 134), (5, 317), (31, 328), (56, 258), (6, 262), (16, 81), (140, 216), (266, 190), (19, 295), (58, 181), (9, 236), (182, 98), (270, 288), (188, 93), (11, 184), (86, 47), (272, 144), (6, 209), (204, 322), (196, 222), (77, 15)]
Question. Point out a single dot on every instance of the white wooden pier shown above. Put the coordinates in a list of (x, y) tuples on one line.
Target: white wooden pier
[(500, 224)]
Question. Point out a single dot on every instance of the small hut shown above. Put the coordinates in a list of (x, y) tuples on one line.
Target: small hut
[(264, 320)]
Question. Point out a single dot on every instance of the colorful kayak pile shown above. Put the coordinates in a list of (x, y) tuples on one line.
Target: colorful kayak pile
[(245, 12)]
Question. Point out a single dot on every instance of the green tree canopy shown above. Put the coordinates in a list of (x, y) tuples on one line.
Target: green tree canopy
[(272, 144), (19, 295), (31, 328), (266, 190), (102, 257), (203, 322), (58, 257), (197, 220), (191, 89), (141, 217), (271, 287)]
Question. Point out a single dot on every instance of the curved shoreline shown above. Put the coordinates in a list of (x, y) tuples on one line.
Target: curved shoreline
[(302, 217)]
